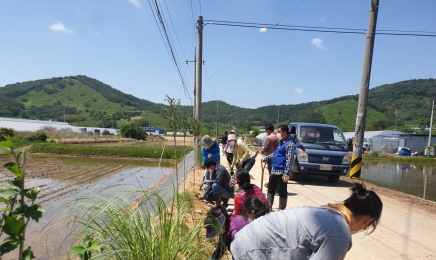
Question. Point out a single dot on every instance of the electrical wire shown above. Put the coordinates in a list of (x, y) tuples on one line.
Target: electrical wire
[(254, 43), (160, 21), (321, 29)]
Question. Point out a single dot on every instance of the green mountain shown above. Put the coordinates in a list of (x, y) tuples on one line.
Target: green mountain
[(84, 101)]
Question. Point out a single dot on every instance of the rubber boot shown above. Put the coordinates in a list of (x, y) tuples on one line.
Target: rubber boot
[(282, 203), (217, 198), (270, 198)]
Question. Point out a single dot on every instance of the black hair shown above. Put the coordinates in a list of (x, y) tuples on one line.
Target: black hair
[(244, 179), (209, 162), (269, 127), (226, 133), (364, 202), (212, 218), (255, 204), (284, 128)]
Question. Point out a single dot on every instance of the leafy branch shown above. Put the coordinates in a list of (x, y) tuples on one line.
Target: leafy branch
[(16, 214)]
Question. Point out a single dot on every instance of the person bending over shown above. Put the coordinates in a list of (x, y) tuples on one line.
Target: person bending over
[(223, 227), (310, 232), (246, 191)]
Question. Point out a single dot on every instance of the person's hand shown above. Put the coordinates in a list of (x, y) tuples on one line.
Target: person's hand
[(263, 160), (285, 178)]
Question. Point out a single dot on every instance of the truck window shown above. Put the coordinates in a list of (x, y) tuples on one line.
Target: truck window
[(321, 135)]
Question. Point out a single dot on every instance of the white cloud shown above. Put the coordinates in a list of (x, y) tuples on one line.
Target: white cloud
[(318, 43), (299, 91), (59, 27), (322, 19), (136, 3)]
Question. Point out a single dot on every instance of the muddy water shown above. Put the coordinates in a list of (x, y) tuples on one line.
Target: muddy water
[(65, 179), (414, 179)]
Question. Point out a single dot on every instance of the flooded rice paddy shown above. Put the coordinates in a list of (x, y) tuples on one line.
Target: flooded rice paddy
[(64, 179), (414, 179)]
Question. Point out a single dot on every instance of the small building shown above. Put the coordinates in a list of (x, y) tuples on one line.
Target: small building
[(380, 141), (153, 130), (415, 142)]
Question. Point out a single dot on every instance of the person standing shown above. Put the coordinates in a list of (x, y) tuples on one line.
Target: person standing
[(271, 143), (282, 160), (310, 232), (228, 149), (224, 140)]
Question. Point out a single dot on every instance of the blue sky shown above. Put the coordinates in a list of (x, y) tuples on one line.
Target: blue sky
[(118, 42)]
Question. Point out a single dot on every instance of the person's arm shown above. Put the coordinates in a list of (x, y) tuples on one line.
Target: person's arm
[(238, 202), (246, 150), (203, 155), (267, 157), (331, 248), (266, 146), (289, 159), (235, 156)]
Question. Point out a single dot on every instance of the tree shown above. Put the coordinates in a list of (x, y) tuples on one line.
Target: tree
[(132, 130), (380, 125)]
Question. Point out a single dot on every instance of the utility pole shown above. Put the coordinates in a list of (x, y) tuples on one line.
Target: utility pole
[(429, 132), (217, 120), (356, 159), (278, 116), (195, 79), (199, 68)]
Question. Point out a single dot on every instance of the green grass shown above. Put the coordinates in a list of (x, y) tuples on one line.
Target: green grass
[(54, 148), (343, 114), (138, 225)]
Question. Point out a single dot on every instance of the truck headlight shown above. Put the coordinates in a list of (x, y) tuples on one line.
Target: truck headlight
[(302, 156), (346, 159)]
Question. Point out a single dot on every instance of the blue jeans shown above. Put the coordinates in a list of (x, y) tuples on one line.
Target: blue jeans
[(218, 189), (248, 164)]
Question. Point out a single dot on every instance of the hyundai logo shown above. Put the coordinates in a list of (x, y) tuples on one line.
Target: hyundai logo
[(326, 159)]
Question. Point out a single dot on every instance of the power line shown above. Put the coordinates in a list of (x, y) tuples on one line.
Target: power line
[(160, 21), (257, 40), (321, 29)]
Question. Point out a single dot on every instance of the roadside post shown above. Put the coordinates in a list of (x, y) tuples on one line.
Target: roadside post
[(356, 158)]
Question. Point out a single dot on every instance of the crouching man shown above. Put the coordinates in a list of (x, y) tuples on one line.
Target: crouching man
[(220, 184)]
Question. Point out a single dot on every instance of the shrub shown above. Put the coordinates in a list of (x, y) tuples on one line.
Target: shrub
[(132, 130), (5, 133), (39, 135), (106, 132)]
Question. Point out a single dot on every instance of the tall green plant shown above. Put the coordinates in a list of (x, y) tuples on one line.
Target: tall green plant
[(16, 213), (143, 229), (195, 126), (173, 115)]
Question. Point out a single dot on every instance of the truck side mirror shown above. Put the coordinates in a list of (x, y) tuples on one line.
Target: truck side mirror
[(349, 141)]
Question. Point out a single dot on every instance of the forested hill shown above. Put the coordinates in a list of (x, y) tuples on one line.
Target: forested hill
[(90, 102)]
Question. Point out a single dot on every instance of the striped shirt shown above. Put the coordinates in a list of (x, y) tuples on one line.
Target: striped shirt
[(290, 149)]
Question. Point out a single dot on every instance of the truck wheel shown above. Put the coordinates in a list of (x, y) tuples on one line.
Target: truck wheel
[(333, 178)]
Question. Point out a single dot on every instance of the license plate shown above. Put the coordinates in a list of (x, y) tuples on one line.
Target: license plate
[(325, 167)]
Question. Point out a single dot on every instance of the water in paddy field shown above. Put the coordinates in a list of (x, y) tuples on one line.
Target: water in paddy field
[(413, 179), (75, 178)]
